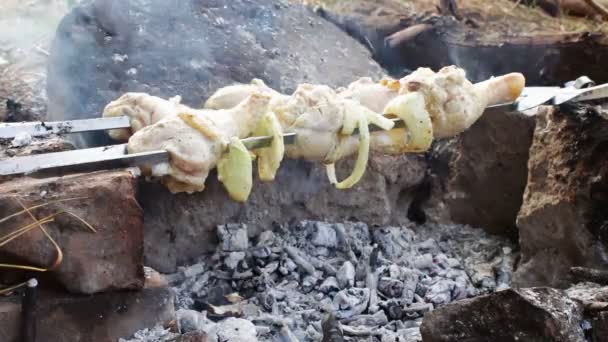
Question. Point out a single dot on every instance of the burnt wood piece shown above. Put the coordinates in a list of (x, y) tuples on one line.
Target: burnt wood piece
[(484, 44), (581, 274)]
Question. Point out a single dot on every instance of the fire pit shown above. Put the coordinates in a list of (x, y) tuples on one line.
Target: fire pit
[(306, 280), (497, 229)]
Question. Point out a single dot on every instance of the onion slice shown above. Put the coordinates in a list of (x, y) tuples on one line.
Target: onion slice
[(235, 170), (363, 153), (411, 108), (269, 158), (378, 120)]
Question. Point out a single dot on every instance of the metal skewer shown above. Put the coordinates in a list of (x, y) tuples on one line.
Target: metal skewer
[(115, 156)]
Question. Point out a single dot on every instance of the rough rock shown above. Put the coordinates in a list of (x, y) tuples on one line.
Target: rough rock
[(190, 48), (532, 314), (478, 178), (562, 221), (100, 317), (179, 228), (111, 258)]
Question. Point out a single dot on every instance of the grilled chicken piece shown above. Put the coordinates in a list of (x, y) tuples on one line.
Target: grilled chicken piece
[(143, 109), (453, 101), (195, 140), (316, 115), (230, 96), (433, 105), (373, 95)]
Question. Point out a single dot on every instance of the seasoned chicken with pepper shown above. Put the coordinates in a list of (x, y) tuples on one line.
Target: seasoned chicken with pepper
[(431, 105)]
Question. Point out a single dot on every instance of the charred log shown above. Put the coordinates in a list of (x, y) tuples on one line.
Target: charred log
[(413, 35)]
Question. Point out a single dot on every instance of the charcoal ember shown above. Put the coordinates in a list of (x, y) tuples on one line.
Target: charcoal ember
[(313, 334), (393, 241), (441, 260), (267, 299), (332, 329), (233, 330), (421, 288), (233, 259), (504, 271), (191, 320), (327, 268), (385, 290), (440, 292), (287, 266), (233, 237), (455, 263), (346, 275), (308, 283), (271, 267), (483, 276), (266, 239), (300, 259), (393, 309), (424, 261), (321, 252), (416, 310), (410, 334), (428, 246), (406, 334), (460, 289), (374, 320), (353, 238), (390, 287), (216, 295), (261, 253), (199, 289), (350, 302), (324, 235), (392, 271), (410, 284), (330, 284)]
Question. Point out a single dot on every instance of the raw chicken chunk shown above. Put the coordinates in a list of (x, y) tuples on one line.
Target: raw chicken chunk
[(453, 101), (195, 140), (143, 109), (432, 105)]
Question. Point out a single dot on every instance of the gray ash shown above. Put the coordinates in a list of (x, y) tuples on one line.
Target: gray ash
[(304, 281)]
